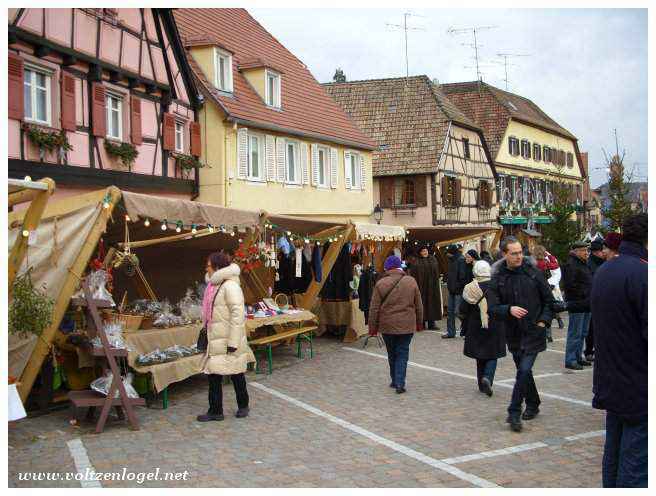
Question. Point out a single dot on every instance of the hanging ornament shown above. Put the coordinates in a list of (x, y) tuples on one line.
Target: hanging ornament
[(193, 229), (147, 222), (178, 226)]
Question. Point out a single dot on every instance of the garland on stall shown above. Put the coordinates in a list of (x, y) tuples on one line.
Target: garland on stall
[(127, 152)]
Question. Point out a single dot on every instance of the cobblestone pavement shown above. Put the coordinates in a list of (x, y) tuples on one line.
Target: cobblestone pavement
[(332, 421)]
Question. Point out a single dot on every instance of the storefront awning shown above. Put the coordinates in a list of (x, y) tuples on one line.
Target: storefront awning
[(443, 235), (305, 226), (377, 231)]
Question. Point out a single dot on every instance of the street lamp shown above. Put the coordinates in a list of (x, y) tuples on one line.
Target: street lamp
[(378, 213)]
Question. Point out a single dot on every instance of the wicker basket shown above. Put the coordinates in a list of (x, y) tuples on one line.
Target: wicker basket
[(147, 322), (130, 322)]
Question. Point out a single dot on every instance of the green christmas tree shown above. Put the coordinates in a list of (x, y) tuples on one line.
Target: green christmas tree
[(619, 206)]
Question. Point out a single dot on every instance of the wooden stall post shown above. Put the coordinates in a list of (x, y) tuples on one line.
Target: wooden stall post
[(42, 347)]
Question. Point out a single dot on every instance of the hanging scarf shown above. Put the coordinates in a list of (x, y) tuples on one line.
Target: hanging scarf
[(208, 299), (473, 294)]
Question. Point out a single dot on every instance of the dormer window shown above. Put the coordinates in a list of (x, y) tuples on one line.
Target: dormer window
[(223, 70), (272, 89)]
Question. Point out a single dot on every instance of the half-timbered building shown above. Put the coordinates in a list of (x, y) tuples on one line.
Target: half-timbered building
[(432, 166), (101, 97)]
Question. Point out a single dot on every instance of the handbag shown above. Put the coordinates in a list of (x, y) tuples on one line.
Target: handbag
[(202, 342)]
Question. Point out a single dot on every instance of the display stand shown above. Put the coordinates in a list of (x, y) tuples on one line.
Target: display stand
[(92, 399)]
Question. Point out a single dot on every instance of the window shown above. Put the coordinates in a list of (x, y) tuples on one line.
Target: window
[(179, 137), (547, 154), (36, 87), (465, 145), (323, 166), (353, 166), (537, 152), (484, 195), (272, 89), (114, 114), (255, 157), (223, 70), (526, 149), (404, 192), (450, 192), (292, 169), (570, 160), (513, 146)]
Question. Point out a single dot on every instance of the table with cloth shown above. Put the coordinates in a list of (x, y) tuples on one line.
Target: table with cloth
[(341, 313)]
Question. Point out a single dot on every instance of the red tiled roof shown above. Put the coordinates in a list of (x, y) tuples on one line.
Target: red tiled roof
[(306, 108), (408, 118)]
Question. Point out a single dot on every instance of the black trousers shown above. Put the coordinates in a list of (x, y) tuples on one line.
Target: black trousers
[(589, 342), (216, 392)]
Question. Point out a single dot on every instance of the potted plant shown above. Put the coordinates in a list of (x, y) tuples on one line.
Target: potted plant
[(30, 310), (48, 141), (126, 152), (187, 163)]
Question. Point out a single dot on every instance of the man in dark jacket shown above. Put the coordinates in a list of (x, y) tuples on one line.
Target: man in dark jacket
[(597, 258), (577, 281), (520, 301), (619, 311), (426, 272), (456, 280)]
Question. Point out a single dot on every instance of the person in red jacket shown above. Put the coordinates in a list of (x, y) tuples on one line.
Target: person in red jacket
[(548, 264)]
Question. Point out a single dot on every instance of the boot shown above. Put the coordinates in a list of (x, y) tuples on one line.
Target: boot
[(209, 417), (515, 423), (242, 412), (486, 387)]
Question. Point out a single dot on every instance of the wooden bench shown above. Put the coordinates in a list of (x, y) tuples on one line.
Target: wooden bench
[(301, 334)]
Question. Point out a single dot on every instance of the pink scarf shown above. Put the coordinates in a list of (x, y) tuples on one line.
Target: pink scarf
[(208, 299)]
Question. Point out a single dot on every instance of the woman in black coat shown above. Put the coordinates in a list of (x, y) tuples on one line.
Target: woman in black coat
[(483, 341)]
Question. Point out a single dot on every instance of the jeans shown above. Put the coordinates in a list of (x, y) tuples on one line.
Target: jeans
[(485, 368), (625, 452), (577, 330), (398, 350), (524, 384), (452, 309), (216, 392)]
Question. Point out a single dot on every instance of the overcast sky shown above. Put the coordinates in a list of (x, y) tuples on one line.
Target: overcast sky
[(587, 69)]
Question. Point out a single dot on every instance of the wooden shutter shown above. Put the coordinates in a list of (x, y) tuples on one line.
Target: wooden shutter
[(315, 164), (270, 154), (304, 163), (280, 160), (386, 192), (196, 144), (333, 168), (458, 192), (242, 153), (99, 127), (68, 102), (347, 170), (15, 87), (420, 191), (135, 120), (363, 175), (168, 132), (444, 191)]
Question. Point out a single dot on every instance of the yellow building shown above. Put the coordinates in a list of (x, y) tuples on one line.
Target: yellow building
[(531, 153), (273, 139)]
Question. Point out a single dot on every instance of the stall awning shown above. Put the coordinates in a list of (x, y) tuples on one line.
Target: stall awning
[(141, 206), (377, 231), (301, 225), (443, 235)]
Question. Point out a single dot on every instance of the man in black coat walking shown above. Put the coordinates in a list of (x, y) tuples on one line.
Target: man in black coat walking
[(619, 311), (577, 282), (456, 280), (520, 301), (597, 258)]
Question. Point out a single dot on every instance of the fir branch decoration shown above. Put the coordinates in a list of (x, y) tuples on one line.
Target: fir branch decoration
[(188, 162), (48, 140), (30, 311), (127, 152)]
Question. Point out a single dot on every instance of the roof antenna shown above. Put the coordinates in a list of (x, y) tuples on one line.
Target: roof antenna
[(473, 30), (505, 63), (405, 28)]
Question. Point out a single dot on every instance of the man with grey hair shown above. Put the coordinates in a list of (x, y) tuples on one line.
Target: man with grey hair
[(520, 302)]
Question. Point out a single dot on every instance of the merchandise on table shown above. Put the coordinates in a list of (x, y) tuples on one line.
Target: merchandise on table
[(102, 385), (114, 334), (167, 355)]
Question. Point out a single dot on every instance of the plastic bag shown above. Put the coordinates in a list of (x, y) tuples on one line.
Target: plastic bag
[(102, 385), (98, 282), (168, 355), (191, 307), (114, 333)]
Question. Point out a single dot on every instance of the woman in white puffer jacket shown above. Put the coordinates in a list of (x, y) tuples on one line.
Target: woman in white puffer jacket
[(227, 352)]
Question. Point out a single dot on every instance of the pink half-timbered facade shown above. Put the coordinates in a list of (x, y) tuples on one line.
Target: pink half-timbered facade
[(101, 97)]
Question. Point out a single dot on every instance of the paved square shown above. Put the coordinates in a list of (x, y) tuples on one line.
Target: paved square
[(333, 422)]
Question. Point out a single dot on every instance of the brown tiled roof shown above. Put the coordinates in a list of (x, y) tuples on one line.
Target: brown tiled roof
[(491, 108), (306, 108), (408, 119)]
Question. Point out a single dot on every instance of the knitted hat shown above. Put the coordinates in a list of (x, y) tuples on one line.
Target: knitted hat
[(482, 269), (579, 244), (474, 254), (596, 245), (613, 240), (392, 262)]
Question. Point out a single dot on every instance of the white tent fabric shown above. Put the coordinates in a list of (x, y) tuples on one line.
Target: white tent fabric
[(384, 232), (58, 243)]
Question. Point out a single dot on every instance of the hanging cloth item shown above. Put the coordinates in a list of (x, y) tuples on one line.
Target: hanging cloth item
[(299, 262), (316, 262), (307, 253), (283, 245)]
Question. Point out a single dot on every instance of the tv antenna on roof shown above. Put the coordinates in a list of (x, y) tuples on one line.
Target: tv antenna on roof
[(473, 30), (505, 63), (405, 28)]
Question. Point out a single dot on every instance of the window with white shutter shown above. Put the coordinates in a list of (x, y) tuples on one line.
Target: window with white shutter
[(333, 168), (352, 170), (362, 172), (304, 163), (270, 151), (293, 173), (256, 157), (322, 171), (242, 153), (280, 159)]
